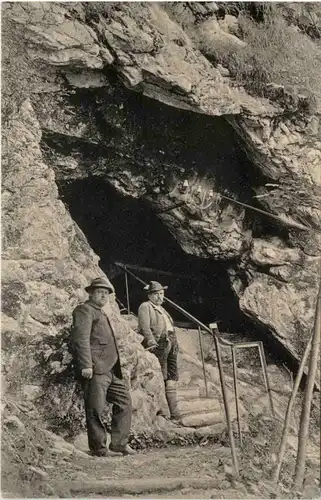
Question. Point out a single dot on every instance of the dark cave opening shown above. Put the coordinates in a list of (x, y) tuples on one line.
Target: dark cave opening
[(127, 128), (125, 229), (121, 228), (138, 131)]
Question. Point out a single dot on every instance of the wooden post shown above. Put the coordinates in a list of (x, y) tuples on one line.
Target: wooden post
[(286, 424), (308, 396)]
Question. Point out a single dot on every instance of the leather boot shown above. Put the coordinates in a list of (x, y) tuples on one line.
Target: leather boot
[(124, 450), (163, 405), (172, 400)]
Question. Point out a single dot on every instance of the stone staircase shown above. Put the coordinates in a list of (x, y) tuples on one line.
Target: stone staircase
[(198, 410), (203, 413)]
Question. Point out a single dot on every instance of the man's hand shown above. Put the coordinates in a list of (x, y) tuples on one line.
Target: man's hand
[(87, 372)]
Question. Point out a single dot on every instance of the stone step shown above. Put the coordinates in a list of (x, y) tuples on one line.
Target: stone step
[(185, 393), (197, 405), (202, 419), (210, 430), (146, 487)]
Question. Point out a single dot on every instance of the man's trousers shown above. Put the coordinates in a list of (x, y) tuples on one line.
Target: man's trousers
[(98, 390), (166, 353)]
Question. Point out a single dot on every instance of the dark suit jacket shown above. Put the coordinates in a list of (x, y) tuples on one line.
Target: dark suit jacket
[(93, 340), (151, 323)]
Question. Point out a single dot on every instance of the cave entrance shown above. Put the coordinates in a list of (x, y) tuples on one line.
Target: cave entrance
[(120, 228)]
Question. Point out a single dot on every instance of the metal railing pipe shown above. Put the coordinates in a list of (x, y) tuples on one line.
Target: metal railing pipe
[(226, 405), (127, 290), (236, 393), (203, 361), (179, 308)]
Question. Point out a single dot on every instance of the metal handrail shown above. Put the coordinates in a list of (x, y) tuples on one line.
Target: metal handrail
[(144, 269), (180, 309), (212, 329), (220, 367)]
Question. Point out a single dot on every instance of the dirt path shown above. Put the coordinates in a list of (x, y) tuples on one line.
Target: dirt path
[(38, 463), (47, 466), (171, 471), (189, 472)]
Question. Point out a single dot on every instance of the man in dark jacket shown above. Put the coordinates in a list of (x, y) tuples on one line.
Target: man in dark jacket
[(97, 359), (157, 327)]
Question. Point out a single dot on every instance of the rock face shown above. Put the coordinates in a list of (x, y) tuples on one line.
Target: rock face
[(77, 121), (46, 264), (46, 257)]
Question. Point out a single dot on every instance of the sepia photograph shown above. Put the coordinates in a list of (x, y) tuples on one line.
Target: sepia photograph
[(161, 249)]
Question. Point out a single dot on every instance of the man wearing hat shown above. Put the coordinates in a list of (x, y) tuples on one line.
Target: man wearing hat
[(97, 359), (157, 327)]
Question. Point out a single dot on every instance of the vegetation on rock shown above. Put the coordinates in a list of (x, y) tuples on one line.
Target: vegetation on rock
[(277, 60)]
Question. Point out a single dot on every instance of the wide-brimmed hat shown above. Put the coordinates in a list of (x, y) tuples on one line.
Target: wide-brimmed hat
[(99, 283), (154, 286)]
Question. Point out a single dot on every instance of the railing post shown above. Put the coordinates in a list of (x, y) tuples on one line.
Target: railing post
[(265, 376), (127, 291), (202, 357), (236, 392), (226, 406)]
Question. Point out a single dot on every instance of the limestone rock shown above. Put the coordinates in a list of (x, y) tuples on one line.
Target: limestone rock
[(150, 51), (86, 79), (14, 423), (57, 39), (274, 253), (48, 262), (220, 33), (287, 308), (229, 24), (39, 473), (32, 391), (293, 195)]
